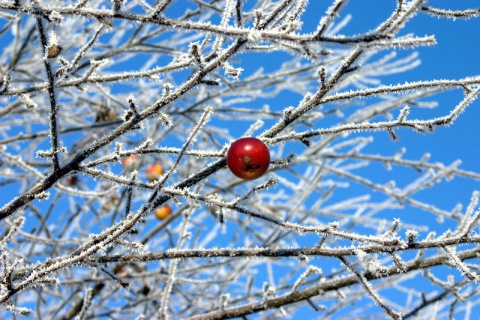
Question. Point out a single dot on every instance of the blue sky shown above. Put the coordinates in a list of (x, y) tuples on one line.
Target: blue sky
[(454, 57)]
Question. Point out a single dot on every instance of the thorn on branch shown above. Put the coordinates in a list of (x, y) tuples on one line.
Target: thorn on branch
[(283, 162), (310, 271), (221, 217), (129, 200), (50, 153), (398, 262), (314, 306), (210, 82), (322, 72), (28, 102), (287, 113), (419, 128), (160, 8), (117, 4), (133, 107), (167, 88), (211, 56), (238, 13), (87, 300), (165, 119), (224, 300), (195, 51), (403, 114), (124, 284), (395, 226), (351, 69), (81, 4), (10, 306), (412, 235), (105, 22), (321, 242), (467, 90), (305, 142), (268, 291), (131, 114), (232, 72), (392, 134), (270, 182), (309, 52), (257, 19), (424, 298), (5, 82)]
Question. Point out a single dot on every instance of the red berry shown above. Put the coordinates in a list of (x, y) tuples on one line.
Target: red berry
[(248, 158)]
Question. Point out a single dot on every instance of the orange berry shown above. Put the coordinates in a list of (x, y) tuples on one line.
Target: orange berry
[(163, 212), (154, 172), (130, 163)]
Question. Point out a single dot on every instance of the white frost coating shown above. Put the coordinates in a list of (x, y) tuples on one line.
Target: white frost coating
[(254, 36)]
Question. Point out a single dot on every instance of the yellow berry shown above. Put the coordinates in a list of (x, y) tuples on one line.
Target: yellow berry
[(154, 172), (163, 212)]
